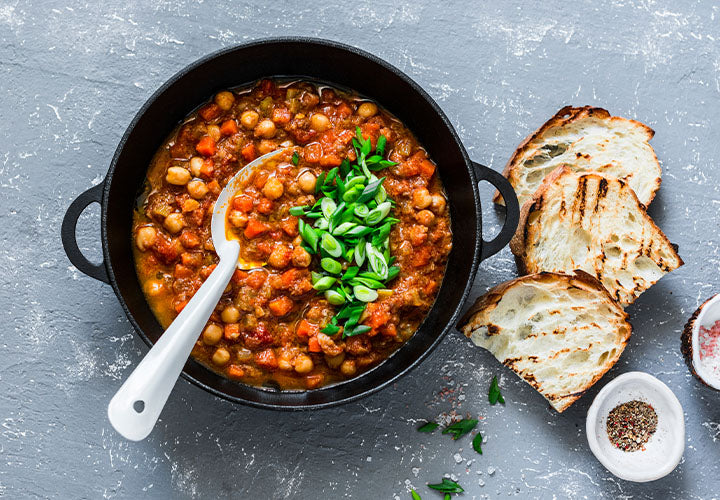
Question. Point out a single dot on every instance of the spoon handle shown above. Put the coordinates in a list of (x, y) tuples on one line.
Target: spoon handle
[(136, 406)]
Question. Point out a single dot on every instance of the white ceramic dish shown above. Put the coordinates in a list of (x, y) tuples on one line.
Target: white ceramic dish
[(708, 314), (662, 452)]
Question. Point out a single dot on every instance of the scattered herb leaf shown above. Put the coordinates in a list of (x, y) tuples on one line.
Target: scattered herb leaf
[(447, 486), (477, 443), (494, 395), (460, 428), (295, 158), (447, 496), (415, 495), (428, 427)]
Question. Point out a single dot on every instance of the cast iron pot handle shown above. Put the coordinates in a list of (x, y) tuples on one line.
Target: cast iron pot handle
[(512, 210), (67, 233)]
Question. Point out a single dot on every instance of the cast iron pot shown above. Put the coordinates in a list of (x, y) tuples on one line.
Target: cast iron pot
[(338, 65)]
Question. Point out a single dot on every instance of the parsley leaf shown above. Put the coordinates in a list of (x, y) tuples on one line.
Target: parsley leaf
[(477, 443), (494, 395), (447, 486), (461, 427), (295, 158), (415, 495), (428, 427)]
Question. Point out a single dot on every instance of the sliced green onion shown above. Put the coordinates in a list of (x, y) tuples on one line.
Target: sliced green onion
[(330, 329), (350, 273), (328, 206), (358, 330), (393, 272), (358, 231), (319, 182), (370, 283), (352, 194), (343, 228), (322, 224), (380, 147), (381, 195), (298, 211), (324, 283), (308, 234), (315, 277), (353, 181), (364, 294), (331, 265), (377, 261), (370, 190), (331, 245), (295, 158), (335, 298), (378, 214), (335, 217), (361, 210), (360, 252)]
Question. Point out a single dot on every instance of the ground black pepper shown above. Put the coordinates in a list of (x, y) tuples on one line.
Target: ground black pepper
[(630, 425)]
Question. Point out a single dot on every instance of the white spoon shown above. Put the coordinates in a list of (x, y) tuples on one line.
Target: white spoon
[(136, 406)]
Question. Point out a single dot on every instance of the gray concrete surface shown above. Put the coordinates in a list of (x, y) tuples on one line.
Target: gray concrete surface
[(72, 74)]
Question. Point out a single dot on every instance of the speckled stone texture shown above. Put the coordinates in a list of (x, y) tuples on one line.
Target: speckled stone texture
[(73, 74)]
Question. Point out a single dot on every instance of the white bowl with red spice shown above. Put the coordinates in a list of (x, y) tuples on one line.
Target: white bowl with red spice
[(631, 424), (701, 343)]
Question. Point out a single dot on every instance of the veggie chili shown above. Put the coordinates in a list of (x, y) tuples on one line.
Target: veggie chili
[(322, 307)]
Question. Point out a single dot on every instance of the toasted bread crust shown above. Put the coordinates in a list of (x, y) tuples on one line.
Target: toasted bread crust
[(524, 234), (478, 315), (564, 117)]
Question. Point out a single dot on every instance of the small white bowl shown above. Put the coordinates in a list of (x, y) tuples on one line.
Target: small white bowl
[(706, 315), (662, 452)]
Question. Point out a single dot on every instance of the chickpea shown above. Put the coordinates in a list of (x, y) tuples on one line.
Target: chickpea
[(174, 222), (244, 355), (265, 129), (279, 257), (367, 109), (249, 119), (214, 132), (438, 203), (238, 219), (273, 188), (153, 288), (178, 176), (284, 364), (421, 198), (230, 314), (266, 146), (196, 164), (348, 367), (334, 362), (145, 237), (307, 181), (300, 257), (425, 217), (212, 334), (224, 100), (319, 122), (303, 364), (197, 189), (221, 356)]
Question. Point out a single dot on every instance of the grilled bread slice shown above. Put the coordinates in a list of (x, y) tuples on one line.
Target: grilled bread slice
[(595, 223), (558, 332), (586, 139)]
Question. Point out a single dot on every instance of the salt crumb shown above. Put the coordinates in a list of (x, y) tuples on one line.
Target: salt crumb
[(415, 471), (481, 482), (369, 459), (458, 458), (453, 477), (491, 470)]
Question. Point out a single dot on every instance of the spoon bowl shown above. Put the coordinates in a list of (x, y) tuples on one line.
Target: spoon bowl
[(136, 406)]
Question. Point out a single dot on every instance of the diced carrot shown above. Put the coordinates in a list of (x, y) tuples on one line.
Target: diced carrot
[(243, 203), (256, 279), (232, 331), (427, 169), (182, 271), (255, 228), (239, 276), (280, 306), (266, 359), (207, 168), (289, 276), (206, 146), (265, 206), (248, 152), (313, 153), (209, 111), (330, 161), (235, 371), (314, 344), (306, 329), (205, 271), (229, 127), (214, 186), (290, 226), (179, 306), (314, 380), (344, 110)]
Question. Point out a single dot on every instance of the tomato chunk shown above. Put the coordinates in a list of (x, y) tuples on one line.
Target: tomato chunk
[(281, 306), (248, 152), (306, 329), (255, 228), (314, 345), (229, 127), (266, 359)]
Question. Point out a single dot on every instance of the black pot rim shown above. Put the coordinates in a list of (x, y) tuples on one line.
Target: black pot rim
[(312, 41)]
